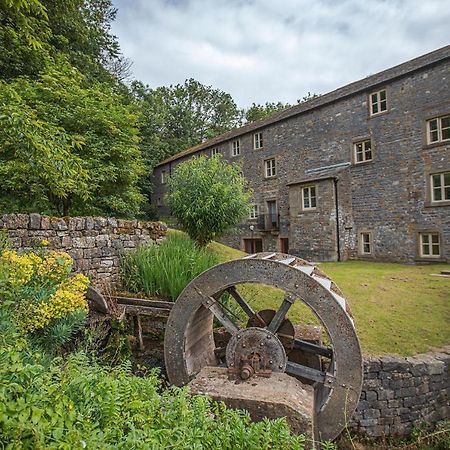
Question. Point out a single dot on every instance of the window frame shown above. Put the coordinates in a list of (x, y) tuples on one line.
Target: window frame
[(309, 187), (362, 142), (214, 151), (362, 243), (430, 244), (253, 213), (274, 168), (236, 145), (442, 187), (378, 102), (438, 129), (163, 177), (258, 141)]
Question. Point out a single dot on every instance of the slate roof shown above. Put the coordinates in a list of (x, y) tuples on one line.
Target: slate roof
[(368, 83)]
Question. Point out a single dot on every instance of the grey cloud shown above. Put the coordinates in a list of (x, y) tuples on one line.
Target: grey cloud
[(265, 50)]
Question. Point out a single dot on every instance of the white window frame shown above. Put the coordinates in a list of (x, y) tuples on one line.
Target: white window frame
[(270, 170), (443, 187), (163, 177), (236, 147), (378, 102), (364, 148), (307, 194), (438, 129), (363, 242), (253, 213), (430, 244), (258, 141), (214, 151)]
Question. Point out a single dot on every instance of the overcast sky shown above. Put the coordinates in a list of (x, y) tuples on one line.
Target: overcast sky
[(270, 50)]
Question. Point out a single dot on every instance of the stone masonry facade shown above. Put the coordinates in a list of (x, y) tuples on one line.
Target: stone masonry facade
[(95, 243), (401, 393), (360, 172)]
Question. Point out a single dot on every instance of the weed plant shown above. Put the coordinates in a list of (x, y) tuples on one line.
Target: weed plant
[(165, 269)]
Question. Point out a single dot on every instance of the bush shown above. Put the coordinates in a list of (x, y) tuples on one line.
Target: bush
[(76, 403), (208, 197), (165, 269), (47, 305)]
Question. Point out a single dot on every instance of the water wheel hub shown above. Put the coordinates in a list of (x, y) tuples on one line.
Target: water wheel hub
[(255, 352)]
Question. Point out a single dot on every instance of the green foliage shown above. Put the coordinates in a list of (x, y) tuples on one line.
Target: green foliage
[(258, 111), (45, 304), (165, 269), (76, 403), (24, 32), (208, 197), (177, 117), (66, 147)]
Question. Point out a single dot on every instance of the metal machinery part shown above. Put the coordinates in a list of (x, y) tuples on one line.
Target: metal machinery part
[(268, 343)]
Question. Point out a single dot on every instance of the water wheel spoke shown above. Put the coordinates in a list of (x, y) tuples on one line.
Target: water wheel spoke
[(313, 348), (213, 305), (280, 314), (241, 301), (309, 373)]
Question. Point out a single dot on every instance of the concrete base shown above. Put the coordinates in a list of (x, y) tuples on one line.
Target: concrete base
[(278, 396)]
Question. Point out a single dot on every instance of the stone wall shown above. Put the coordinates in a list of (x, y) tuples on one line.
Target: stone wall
[(95, 243), (399, 393)]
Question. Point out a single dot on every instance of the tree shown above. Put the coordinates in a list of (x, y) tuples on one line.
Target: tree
[(258, 111), (67, 146), (181, 116), (208, 197)]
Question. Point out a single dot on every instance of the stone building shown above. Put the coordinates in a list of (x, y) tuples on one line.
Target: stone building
[(360, 172)]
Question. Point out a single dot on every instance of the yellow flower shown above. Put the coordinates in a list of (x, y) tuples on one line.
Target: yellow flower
[(44, 243)]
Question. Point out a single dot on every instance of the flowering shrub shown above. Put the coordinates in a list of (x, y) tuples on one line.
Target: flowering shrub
[(44, 298)]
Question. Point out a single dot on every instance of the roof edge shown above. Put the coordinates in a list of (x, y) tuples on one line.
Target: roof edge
[(392, 73)]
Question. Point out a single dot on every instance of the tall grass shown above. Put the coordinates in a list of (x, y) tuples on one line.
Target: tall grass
[(165, 269)]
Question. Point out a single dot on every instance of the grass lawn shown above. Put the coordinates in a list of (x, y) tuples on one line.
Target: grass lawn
[(398, 308)]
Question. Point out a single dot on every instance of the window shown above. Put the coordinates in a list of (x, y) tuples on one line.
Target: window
[(163, 177), (236, 148), (438, 129), (270, 166), (440, 187), (272, 217), (430, 246), (378, 102), (159, 202), (309, 197), (284, 245), (214, 151), (253, 214), (253, 245), (366, 243), (363, 151), (257, 141)]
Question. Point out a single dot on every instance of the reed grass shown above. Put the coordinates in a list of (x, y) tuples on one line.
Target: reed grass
[(165, 269)]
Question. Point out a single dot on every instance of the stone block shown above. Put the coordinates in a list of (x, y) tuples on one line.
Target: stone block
[(90, 224), (46, 223), (59, 224), (277, 396), (394, 364), (371, 396), (35, 221), (371, 413)]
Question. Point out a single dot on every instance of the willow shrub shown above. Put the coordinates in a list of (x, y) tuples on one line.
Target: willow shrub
[(208, 196), (165, 269)]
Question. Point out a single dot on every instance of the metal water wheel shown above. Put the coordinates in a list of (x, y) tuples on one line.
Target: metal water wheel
[(267, 342)]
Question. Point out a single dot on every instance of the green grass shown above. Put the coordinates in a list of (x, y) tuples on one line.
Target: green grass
[(398, 308)]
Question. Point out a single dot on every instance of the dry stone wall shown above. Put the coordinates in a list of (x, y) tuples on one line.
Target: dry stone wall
[(95, 243), (400, 393)]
